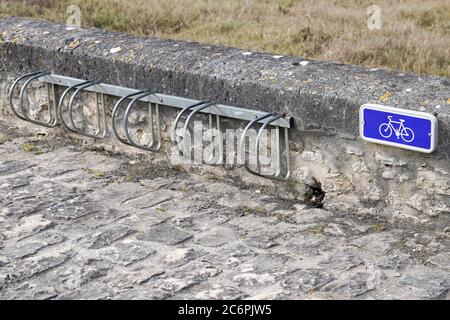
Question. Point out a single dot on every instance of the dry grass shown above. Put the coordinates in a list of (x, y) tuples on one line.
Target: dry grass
[(415, 34)]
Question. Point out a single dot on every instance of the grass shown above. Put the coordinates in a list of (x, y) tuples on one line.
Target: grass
[(97, 174), (318, 231), (378, 227), (29, 147), (4, 139), (415, 34)]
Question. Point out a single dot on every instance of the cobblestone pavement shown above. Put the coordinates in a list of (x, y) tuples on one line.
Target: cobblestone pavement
[(77, 223)]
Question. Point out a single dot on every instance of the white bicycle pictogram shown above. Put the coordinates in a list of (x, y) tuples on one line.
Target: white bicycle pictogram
[(405, 133)]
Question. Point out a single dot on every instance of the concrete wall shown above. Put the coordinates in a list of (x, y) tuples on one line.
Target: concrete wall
[(323, 97)]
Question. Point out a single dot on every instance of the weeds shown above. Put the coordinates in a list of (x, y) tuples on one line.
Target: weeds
[(29, 147)]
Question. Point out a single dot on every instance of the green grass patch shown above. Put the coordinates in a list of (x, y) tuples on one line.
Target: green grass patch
[(32, 148), (97, 174), (4, 139)]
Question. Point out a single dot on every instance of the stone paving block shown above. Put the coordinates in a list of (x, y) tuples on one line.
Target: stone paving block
[(214, 291), (36, 265), (230, 255), (119, 192), (15, 182), (352, 287), (30, 291), (90, 291), (11, 167), (74, 276), (154, 198), (250, 223), (126, 252), (309, 244), (270, 262), (107, 236), (4, 261), (342, 260), (442, 260), (262, 239), (32, 245), (187, 277), (164, 233), (378, 243), (180, 256), (127, 279), (143, 219), (216, 237), (247, 279), (240, 199), (312, 215), (25, 206), (28, 226), (425, 284), (308, 280), (71, 209), (142, 294)]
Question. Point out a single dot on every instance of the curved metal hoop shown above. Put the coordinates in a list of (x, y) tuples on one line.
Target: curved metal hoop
[(277, 174), (241, 151), (180, 114), (99, 102), (151, 146), (178, 118), (61, 102), (188, 120), (114, 114), (52, 121)]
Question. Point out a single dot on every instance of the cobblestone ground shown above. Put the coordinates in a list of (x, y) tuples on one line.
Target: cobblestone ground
[(81, 224)]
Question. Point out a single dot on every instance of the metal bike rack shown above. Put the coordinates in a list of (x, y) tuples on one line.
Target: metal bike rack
[(155, 144), (195, 109), (267, 119), (189, 108), (102, 127), (53, 120)]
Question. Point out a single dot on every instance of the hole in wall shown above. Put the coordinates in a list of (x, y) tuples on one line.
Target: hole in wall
[(316, 196)]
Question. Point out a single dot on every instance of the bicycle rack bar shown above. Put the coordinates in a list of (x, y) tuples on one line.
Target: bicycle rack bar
[(114, 114), (155, 99), (241, 150), (130, 141), (268, 119), (180, 114), (218, 139), (169, 100), (99, 101), (52, 121), (61, 102), (186, 124), (178, 118)]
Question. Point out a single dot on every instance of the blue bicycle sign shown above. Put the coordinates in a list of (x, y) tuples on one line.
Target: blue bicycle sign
[(401, 128), (405, 133)]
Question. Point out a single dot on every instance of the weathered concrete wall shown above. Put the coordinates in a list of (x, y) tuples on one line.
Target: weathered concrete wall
[(324, 97)]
